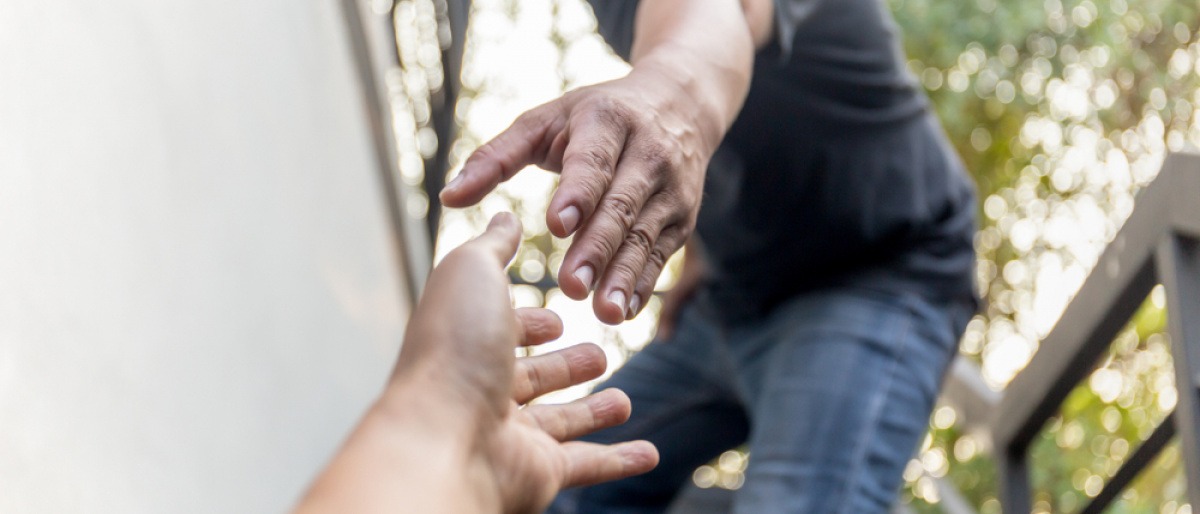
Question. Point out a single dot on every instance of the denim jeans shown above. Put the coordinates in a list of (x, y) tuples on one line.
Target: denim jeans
[(832, 393)]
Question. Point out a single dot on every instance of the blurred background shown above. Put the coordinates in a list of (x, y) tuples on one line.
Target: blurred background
[(1062, 110)]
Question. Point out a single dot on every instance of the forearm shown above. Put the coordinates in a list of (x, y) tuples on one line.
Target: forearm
[(707, 46), (398, 459)]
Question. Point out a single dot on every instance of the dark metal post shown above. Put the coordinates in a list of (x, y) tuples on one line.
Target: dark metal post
[(1179, 267), (444, 102), (1014, 480)]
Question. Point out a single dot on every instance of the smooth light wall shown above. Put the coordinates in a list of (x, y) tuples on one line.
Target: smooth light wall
[(199, 291)]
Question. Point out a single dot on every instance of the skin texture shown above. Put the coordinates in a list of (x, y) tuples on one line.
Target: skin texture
[(632, 152), (452, 432)]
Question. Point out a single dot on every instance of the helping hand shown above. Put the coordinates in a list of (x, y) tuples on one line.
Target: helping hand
[(632, 153)]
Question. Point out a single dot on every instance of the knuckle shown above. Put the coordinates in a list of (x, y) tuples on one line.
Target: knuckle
[(657, 260), (605, 248), (592, 190), (622, 208), (678, 235), (490, 152), (611, 114), (607, 109), (484, 152), (640, 239), (684, 206), (597, 159), (534, 377), (623, 272), (657, 153), (643, 181), (597, 249), (643, 117)]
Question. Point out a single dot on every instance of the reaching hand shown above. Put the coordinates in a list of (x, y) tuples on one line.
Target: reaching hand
[(454, 432), (632, 153)]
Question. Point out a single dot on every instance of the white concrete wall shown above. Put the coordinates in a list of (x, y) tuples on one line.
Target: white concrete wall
[(198, 288)]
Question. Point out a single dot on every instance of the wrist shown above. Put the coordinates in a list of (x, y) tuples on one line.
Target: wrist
[(396, 456), (717, 92), (408, 424), (417, 404)]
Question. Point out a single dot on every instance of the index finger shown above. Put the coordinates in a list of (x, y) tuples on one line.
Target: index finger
[(527, 141)]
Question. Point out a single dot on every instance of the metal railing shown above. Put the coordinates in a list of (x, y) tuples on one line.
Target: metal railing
[(1160, 243)]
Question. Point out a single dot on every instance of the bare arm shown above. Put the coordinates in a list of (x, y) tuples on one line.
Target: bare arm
[(633, 151)]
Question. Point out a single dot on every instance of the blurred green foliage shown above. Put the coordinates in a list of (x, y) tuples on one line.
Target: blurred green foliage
[(1062, 110)]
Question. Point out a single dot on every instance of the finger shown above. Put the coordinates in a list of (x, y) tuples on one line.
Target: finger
[(590, 463), (588, 165), (567, 421), (605, 231), (527, 141), (617, 297), (538, 325), (541, 374), (670, 240), (500, 240)]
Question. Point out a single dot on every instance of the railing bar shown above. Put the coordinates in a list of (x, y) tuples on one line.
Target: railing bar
[(1110, 295), (1153, 247), (966, 391), (1179, 264), (953, 501), (1013, 472), (1141, 458), (1185, 210)]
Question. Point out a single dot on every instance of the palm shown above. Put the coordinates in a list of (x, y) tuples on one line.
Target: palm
[(533, 462)]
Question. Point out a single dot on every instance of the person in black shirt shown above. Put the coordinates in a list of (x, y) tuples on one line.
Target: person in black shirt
[(831, 276)]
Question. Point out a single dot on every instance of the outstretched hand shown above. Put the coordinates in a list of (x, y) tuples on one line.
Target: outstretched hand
[(632, 155), (454, 431), (632, 151)]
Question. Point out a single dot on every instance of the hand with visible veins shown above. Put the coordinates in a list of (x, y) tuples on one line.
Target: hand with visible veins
[(632, 152), (454, 431)]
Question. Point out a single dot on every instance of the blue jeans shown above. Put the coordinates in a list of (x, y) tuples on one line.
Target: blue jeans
[(832, 393)]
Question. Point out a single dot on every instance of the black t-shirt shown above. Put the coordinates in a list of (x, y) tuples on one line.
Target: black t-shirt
[(835, 173)]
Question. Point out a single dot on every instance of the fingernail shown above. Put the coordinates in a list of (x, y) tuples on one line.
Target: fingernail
[(634, 303), (585, 274), (454, 183), (569, 217), (618, 299)]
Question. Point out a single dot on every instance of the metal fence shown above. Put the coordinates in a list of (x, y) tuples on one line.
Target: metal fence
[(1159, 244)]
